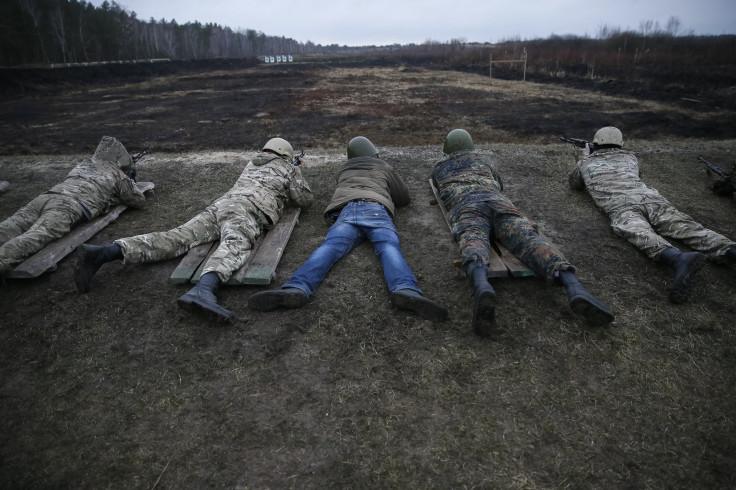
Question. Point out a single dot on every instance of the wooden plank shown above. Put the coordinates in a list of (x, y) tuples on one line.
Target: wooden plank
[(191, 263), (260, 267), (502, 262), (264, 260), (515, 266), (47, 258)]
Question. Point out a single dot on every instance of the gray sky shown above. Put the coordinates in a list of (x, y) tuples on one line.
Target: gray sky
[(380, 22)]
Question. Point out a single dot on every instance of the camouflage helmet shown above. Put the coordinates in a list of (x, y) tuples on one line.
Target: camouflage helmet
[(113, 151), (608, 136), (279, 146), (457, 140), (360, 146)]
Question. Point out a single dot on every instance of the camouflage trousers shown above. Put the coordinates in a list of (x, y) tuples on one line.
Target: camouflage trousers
[(473, 224), (45, 219), (235, 223), (645, 225)]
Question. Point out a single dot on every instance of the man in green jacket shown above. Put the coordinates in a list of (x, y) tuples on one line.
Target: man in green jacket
[(90, 190), (237, 218), (362, 208)]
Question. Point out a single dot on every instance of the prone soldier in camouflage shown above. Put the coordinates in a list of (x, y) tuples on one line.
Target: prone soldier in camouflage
[(88, 191), (642, 216), (471, 189), (257, 200)]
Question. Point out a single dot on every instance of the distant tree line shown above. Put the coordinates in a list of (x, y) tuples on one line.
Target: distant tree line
[(74, 31), (669, 55)]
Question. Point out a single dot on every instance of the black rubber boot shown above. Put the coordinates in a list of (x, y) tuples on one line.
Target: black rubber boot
[(408, 299), (89, 259), (583, 303), (484, 307), (201, 298), (277, 298), (731, 254), (685, 265)]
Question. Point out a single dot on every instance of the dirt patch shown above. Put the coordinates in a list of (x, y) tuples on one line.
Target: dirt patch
[(121, 388)]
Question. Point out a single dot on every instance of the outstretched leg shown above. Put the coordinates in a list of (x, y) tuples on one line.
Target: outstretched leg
[(583, 303)]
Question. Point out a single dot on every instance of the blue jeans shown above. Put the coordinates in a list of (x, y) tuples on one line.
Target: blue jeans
[(357, 221)]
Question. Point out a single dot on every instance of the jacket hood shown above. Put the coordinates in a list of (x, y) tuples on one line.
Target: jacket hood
[(113, 151)]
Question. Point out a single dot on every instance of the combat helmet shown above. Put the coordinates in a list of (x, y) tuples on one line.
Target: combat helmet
[(360, 146), (608, 136), (279, 146), (457, 140), (113, 151)]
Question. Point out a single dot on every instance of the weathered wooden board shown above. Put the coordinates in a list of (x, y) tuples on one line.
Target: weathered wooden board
[(503, 263), (47, 258), (261, 265)]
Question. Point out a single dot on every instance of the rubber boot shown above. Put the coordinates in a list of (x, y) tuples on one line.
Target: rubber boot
[(731, 254), (408, 299), (277, 298), (89, 259), (201, 298), (685, 265), (484, 306), (582, 303)]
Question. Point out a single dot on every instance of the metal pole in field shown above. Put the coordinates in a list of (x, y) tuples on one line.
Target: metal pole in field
[(524, 80), (490, 67)]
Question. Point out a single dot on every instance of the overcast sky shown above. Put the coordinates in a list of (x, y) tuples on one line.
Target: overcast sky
[(382, 22)]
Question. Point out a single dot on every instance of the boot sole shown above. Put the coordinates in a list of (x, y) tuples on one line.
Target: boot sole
[(484, 315), (681, 289), (84, 284), (594, 312), (194, 305), (422, 306), (272, 300)]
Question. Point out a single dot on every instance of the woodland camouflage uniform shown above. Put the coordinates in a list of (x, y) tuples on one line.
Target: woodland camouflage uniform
[(470, 188), (638, 213), (236, 219), (90, 190)]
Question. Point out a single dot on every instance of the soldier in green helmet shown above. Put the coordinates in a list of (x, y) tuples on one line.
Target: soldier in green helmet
[(362, 208), (642, 216), (471, 190)]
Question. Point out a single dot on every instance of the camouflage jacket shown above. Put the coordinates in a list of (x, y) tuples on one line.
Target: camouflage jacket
[(466, 177), (270, 181), (100, 183), (371, 179), (611, 177)]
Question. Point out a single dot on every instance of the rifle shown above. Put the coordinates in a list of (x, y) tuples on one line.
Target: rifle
[(136, 157), (724, 185), (580, 143), (297, 160), (711, 166), (139, 155)]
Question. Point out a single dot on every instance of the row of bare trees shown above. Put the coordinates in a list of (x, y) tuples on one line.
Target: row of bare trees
[(68, 31)]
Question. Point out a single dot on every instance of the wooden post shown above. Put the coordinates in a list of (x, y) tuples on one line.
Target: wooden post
[(524, 79), (490, 67)]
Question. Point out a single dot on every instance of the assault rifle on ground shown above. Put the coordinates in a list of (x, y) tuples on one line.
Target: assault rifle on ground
[(724, 185), (297, 160), (580, 143), (136, 157)]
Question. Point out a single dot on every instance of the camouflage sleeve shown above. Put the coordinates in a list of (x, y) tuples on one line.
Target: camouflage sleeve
[(299, 191), (575, 178), (128, 194)]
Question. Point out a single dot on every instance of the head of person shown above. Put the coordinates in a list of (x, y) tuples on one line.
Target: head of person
[(113, 151), (279, 146), (457, 140), (360, 146), (608, 137)]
